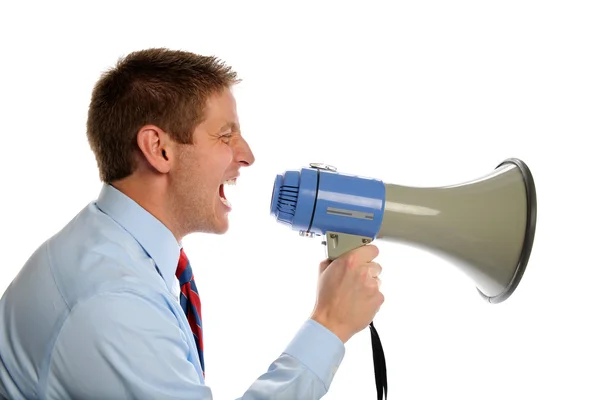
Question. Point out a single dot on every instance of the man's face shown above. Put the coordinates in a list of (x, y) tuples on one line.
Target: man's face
[(202, 169)]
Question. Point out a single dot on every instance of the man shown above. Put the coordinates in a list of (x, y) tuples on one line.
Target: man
[(107, 307)]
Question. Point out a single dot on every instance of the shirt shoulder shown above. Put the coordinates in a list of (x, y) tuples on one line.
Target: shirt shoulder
[(93, 254)]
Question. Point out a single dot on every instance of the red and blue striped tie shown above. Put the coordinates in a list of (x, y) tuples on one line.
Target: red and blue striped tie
[(190, 302)]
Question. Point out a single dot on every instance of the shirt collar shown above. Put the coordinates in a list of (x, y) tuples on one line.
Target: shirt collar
[(156, 239)]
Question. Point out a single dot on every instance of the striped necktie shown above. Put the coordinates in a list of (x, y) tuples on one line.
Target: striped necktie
[(190, 302)]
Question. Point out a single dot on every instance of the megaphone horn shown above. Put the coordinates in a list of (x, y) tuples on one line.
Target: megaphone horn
[(485, 227)]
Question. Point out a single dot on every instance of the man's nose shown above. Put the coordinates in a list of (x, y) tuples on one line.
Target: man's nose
[(244, 154)]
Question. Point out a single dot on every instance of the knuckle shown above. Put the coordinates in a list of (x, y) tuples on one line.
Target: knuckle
[(372, 288), (351, 259), (364, 275)]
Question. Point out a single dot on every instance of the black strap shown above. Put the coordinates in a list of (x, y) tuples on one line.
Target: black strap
[(378, 363)]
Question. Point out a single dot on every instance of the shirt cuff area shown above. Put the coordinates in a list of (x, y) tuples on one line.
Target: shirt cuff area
[(319, 349)]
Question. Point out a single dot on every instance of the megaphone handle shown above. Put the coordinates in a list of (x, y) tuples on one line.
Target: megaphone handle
[(336, 244)]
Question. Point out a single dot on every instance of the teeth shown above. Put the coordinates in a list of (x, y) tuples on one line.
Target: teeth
[(231, 182), (226, 202)]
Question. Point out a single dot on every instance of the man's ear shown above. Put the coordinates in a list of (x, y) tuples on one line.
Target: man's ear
[(156, 147)]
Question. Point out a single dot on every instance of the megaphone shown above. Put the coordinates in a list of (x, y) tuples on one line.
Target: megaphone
[(485, 226)]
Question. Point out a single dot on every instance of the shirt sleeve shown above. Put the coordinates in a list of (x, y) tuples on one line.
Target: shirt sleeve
[(124, 345), (306, 368)]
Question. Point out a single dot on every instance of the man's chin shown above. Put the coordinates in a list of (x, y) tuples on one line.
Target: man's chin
[(222, 226), (221, 231)]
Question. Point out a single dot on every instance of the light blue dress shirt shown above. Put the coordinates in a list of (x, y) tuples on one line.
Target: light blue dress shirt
[(92, 316)]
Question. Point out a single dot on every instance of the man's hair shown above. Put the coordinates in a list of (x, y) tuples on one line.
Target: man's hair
[(167, 88)]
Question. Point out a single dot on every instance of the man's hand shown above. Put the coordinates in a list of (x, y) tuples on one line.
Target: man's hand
[(348, 295)]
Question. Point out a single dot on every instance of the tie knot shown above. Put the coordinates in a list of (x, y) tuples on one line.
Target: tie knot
[(184, 269)]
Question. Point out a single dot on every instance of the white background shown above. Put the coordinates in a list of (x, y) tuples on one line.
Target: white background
[(421, 93)]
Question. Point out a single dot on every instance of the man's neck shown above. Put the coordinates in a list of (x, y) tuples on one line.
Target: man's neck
[(150, 195)]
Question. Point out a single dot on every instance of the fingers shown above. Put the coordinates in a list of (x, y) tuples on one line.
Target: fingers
[(361, 255), (374, 269), (371, 274), (378, 282)]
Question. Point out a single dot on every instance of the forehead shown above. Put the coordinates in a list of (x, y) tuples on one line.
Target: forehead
[(220, 108)]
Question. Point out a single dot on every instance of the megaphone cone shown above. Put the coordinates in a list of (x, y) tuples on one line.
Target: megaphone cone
[(485, 227)]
